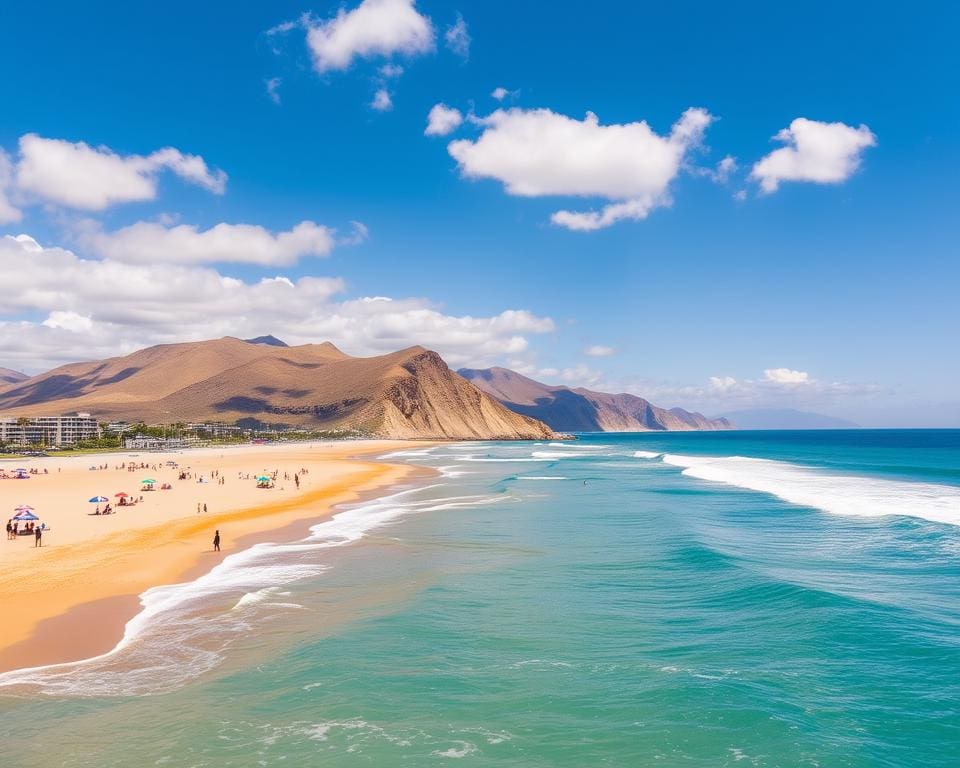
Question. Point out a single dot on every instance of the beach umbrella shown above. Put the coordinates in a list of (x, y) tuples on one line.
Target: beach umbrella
[(262, 478), (23, 508), (148, 482), (120, 495), (99, 499), (25, 515)]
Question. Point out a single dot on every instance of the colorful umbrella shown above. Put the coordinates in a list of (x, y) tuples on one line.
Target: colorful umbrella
[(99, 499), (148, 482), (23, 508), (25, 515), (262, 478), (120, 495)]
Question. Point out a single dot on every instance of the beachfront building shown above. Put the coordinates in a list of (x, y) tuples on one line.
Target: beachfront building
[(151, 443), (216, 429), (55, 431)]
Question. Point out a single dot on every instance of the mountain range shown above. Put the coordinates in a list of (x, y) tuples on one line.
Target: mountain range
[(786, 418), (583, 410), (8, 376), (407, 394)]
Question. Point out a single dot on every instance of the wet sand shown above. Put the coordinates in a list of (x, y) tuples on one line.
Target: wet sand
[(71, 599)]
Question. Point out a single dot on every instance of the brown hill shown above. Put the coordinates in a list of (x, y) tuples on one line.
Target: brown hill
[(407, 394), (8, 376), (582, 410)]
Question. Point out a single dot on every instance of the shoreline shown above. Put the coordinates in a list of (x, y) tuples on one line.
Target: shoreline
[(92, 593)]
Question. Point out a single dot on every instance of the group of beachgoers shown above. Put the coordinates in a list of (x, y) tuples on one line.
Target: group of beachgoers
[(22, 474), (14, 531)]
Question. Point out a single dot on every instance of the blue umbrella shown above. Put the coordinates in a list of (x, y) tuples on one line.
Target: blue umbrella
[(25, 516), (99, 499)]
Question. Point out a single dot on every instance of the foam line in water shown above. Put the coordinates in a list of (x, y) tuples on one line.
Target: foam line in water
[(646, 455), (561, 454), (183, 630), (839, 494)]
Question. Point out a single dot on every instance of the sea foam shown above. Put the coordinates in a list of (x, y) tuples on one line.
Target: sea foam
[(183, 630), (839, 494)]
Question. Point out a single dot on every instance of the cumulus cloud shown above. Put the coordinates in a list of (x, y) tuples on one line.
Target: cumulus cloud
[(500, 93), (382, 101), (100, 307), (457, 38), (598, 350), (785, 376), (824, 153), (150, 242), (443, 120), (8, 211), (374, 28), (76, 175), (537, 153)]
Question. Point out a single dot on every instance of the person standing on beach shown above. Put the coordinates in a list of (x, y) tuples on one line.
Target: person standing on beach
[(216, 541), (38, 537)]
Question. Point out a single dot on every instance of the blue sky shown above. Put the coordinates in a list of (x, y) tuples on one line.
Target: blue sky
[(836, 294)]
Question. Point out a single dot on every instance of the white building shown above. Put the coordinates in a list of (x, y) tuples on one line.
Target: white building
[(149, 443), (48, 430)]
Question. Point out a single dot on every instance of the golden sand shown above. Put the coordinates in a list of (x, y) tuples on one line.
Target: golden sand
[(71, 598)]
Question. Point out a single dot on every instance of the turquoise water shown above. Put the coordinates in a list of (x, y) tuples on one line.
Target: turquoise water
[(741, 599)]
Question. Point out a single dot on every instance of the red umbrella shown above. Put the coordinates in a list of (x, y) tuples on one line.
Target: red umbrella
[(120, 495)]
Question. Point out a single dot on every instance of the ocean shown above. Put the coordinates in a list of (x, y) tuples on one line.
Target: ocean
[(679, 599)]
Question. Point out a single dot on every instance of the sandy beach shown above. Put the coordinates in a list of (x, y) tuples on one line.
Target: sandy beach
[(71, 598)]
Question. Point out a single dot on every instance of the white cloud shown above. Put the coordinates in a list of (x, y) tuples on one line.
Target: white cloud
[(69, 321), (8, 211), (598, 350), (443, 120), (777, 387), (95, 308), (149, 242), (785, 376), (457, 38), (824, 153), (721, 173), (537, 153), (390, 71), (77, 175), (500, 93), (574, 376), (373, 28), (273, 89), (382, 101)]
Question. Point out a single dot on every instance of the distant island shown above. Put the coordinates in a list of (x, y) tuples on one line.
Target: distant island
[(583, 410), (786, 418)]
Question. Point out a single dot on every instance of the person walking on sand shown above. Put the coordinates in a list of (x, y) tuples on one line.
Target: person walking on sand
[(204, 508), (38, 537), (216, 541)]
